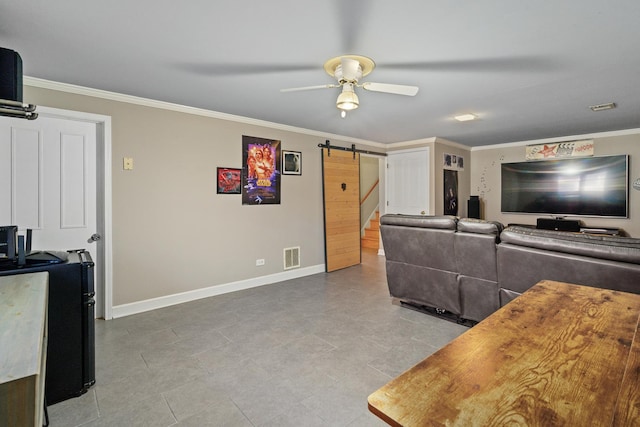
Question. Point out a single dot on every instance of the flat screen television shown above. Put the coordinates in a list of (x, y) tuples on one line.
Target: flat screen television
[(577, 186)]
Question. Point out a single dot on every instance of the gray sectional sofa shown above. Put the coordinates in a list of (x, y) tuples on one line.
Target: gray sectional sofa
[(469, 268)]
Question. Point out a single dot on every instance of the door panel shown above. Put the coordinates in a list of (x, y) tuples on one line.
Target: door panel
[(23, 189), (341, 208)]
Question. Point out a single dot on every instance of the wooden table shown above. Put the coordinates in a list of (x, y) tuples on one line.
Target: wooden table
[(559, 355), (23, 348)]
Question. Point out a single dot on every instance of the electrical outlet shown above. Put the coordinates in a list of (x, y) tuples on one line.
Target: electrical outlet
[(260, 261)]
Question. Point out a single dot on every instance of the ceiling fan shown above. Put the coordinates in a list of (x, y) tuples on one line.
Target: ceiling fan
[(348, 70)]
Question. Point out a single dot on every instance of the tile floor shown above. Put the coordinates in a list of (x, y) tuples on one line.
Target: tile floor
[(305, 352)]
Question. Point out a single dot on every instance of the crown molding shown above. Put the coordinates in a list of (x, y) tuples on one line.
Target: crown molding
[(452, 144), (607, 134), (410, 144), (146, 102)]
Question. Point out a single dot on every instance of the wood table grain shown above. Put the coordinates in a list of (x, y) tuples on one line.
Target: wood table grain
[(559, 355)]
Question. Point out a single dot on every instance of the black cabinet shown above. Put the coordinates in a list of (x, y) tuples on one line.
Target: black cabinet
[(70, 367)]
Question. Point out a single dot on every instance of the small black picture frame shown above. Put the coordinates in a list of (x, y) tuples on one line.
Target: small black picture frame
[(228, 181), (291, 162)]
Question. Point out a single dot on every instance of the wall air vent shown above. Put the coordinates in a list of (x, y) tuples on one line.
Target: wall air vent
[(291, 258)]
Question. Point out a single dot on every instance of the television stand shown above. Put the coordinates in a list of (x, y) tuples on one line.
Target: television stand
[(603, 231)]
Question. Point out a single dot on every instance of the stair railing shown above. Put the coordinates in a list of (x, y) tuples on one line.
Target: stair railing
[(368, 206)]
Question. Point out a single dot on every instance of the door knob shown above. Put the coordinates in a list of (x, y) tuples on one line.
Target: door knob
[(94, 238)]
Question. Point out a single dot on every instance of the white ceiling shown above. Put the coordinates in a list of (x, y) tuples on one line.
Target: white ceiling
[(528, 69)]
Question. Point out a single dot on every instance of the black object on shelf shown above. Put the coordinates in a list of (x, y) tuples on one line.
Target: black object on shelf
[(70, 370), (473, 207), (558, 224)]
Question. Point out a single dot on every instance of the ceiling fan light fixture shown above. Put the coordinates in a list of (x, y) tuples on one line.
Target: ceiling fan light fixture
[(347, 100)]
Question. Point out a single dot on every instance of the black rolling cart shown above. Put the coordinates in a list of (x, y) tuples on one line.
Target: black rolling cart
[(70, 368)]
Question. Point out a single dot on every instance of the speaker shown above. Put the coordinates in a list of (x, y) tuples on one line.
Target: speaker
[(558, 224), (473, 207), (10, 75)]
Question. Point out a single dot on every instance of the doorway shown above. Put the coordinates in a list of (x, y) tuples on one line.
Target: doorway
[(81, 156), (407, 189)]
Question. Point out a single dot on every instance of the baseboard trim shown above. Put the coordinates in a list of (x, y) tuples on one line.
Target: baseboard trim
[(169, 300)]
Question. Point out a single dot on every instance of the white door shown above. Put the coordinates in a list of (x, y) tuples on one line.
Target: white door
[(48, 181), (408, 182)]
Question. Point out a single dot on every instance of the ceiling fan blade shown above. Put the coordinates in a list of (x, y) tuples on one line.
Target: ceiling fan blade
[(490, 64), (296, 89), (389, 88), (349, 69), (236, 69)]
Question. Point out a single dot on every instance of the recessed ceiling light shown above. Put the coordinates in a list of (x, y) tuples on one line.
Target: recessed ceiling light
[(465, 117), (601, 107)]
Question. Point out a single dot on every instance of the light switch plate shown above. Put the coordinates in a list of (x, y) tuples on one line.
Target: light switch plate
[(127, 163)]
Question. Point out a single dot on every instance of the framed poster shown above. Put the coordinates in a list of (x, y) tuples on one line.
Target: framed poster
[(452, 161), (450, 192), (260, 171), (228, 181), (291, 162)]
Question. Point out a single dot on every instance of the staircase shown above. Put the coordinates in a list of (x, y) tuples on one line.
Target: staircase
[(371, 238)]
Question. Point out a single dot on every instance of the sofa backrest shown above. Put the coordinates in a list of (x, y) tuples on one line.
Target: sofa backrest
[(475, 248), (614, 248), (526, 256), (421, 240)]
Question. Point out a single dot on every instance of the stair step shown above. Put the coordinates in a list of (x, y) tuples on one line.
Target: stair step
[(369, 232), (366, 243), (371, 238)]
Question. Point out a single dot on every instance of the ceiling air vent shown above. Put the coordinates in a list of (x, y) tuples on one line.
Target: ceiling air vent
[(291, 258), (602, 107)]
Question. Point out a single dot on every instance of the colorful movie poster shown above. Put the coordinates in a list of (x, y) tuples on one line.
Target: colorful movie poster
[(260, 171)]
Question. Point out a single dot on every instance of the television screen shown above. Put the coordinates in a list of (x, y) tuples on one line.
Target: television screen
[(584, 186)]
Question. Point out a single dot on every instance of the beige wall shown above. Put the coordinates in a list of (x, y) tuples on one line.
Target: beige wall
[(171, 232), (485, 180)]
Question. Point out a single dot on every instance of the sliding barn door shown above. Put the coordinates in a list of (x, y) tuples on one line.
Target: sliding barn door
[(341, 186)]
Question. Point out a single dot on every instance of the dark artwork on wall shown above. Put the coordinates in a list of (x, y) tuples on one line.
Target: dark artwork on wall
[(450, 192), (260, 171), (291, 162)]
